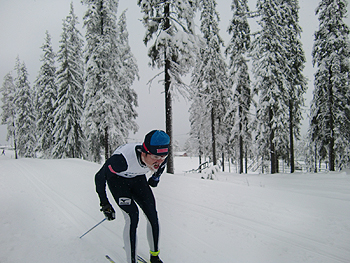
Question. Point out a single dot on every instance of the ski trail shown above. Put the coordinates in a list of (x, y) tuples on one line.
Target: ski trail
[(52, 198), (67, 207), (206, 213), (47, 204)]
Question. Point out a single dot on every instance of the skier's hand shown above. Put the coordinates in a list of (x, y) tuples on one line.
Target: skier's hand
[(108, 211), (153, 180)]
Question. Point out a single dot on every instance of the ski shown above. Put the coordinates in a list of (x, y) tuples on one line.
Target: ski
[(141, 259), (110, 260)]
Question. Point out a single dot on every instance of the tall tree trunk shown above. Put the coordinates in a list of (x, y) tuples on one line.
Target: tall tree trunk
[(15, 141), (241, 152), (331, 142), (272, 145), (331, 124), (169, 119), (200, 151), (168, 98), (246, 159), (101, 15), (223, 159), (105, 142), (240, 140), (315, 169), (291, 137), (213, 139)]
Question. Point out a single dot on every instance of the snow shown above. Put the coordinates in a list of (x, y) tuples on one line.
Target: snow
[(47, 204)]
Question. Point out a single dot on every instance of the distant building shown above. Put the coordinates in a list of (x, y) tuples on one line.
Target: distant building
[(181, 154)]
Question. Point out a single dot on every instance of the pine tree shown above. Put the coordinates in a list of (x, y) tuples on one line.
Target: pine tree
[(296, 82), (266, 80), (236, 50), (330, 116), (126, 77), (107, 113), (68, 135), (46, 97), (24, 113), (174, 49), (8, 90), (272, 66), (209, 80), (200, 127)]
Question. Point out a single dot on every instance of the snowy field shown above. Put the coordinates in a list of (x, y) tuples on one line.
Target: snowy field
[(47, 204)]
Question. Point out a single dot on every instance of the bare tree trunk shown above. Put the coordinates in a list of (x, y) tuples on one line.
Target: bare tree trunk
[(200, 151), (291, 137), (15, 141), (315, 169), (169, 121), (168, 98), (106, 143), (223, 160), (331, 125), (246, 159), (272, 145), (241, 153), (240, 141), (213, 139)]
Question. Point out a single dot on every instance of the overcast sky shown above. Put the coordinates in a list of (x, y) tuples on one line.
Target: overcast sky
[(22, 31)]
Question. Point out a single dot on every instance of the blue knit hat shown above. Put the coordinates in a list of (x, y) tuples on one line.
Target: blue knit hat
[(156, 142)]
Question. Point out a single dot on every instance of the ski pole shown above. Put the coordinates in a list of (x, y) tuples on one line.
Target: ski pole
[(93, 227)]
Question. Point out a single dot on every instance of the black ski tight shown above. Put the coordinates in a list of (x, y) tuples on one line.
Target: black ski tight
[(127, 192)]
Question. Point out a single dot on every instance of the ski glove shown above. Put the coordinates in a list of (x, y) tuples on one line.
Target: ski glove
[(108, 211), (153, 180)]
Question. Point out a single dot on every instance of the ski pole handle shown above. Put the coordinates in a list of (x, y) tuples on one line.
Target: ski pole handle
[(93, 227)]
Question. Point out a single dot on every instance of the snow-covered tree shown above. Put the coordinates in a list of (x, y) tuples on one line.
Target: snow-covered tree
[(277, 64), (108, 111), (24, 113), (46, 96), (209, 79), (126, 77), (8, 90), (200, 128), (295, 80), (298, 82), (67, 131), (330, 115), (237, 49), (171, 23), (267, 81)]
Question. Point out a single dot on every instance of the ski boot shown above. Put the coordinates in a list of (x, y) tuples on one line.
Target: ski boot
[(155, 258)]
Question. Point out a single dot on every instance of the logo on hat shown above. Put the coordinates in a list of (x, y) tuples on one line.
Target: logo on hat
[(165, 150)]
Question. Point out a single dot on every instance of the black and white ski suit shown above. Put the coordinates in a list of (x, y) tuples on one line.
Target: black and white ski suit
[(125, 175)]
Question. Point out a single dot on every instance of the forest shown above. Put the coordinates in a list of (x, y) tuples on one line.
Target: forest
[(246, 96)]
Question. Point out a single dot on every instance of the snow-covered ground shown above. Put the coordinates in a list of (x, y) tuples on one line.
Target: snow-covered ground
[(47, 204)]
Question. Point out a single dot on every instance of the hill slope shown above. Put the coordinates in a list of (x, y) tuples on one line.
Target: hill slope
[(47, 204)]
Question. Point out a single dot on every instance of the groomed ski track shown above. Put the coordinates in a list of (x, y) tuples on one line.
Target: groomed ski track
[(48, 204)]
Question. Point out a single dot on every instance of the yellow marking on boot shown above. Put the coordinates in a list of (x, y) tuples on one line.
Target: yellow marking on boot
[(154, 253)]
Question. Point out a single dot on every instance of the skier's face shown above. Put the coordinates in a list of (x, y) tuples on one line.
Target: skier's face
[(153, 161)]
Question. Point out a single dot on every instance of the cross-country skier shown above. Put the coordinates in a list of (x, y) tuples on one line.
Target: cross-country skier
[(124, 173)]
